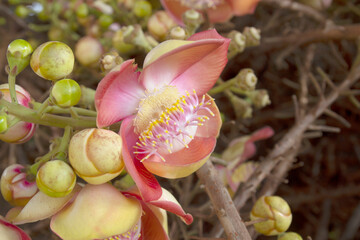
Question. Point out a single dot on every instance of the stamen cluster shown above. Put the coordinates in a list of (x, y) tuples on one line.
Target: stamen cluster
[(175, 127)]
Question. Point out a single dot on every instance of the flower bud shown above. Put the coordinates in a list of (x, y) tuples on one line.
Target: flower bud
[(105, 21), (88, 51), (109, 61), (3, 123), (177, 33), (252, 36), (14, 187), (142, 8), (66, 93), (260, 98), (21, 11), (242, 107), (159, 25), (238, 41), (56, 178), (192, 18), (52, 60), (246, 79), (22, 131), (289, 236), (275, 211), (95, 155), (134, 34), (119, 43), (18, 54), (82, 10)]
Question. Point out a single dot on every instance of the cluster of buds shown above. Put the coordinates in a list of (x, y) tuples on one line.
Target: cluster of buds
[(250, 37)]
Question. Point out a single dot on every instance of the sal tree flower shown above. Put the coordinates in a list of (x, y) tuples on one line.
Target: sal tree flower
[(169, 123), (217, 10)]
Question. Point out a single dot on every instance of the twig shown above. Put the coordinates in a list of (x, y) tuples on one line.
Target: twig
[(352, 225), (229, 217), (323, 228)]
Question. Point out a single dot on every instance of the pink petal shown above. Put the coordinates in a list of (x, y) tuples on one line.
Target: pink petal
[(175, 9), (243, 7), (145, 181), (221, 13), (196, 65), (12, 232), (168, 202), (261, 134), (184, 162), (118, 94), (151, 225)]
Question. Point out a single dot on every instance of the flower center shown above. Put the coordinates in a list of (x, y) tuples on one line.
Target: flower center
[(175, 127), (201, 4), (132, 234)]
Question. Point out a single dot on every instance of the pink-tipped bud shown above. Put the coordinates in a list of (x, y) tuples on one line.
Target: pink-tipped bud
[(22, 131), (15, 188)]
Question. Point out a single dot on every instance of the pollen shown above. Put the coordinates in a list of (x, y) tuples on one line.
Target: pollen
[(175, 127), (132, 234), (201, 4)]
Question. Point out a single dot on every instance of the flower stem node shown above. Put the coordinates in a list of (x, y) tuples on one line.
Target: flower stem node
[(88, 51), (289, 236), (246, 79), (66, 93), (15, 188), (159, 25), (52, 60), (252, 36), (56, 178), (95, 155), (17, 131), (18, 55), (276, 214)]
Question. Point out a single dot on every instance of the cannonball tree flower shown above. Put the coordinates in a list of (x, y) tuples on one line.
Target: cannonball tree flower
[(9, 231), (169, 123), (216, 10)]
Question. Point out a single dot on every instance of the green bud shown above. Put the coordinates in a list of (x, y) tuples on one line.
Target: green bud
[(18, 54), (56, 178), (192, 18), (246, 79), (120, 45), (3, 123), (52, 60), (260, 98), (177, 33), (289, 236), (252, 36), (105, 21), (66, 93), (238, 41), (142, 8), (21, 11), (82, 10)]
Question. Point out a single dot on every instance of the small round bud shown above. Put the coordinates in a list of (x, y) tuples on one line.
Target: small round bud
[(56, 33), (18, 54), (15, 188), (66, 93), (242, 107), (105, 21), (52, 60), (238, 41), (246, 79), (159, 25), (177, 33), (21, 11), (260, 98), (276, 213), (192, 18), (56, 178), (109, 61), (142, 8), (88, 51), (252, 36), (3, 123), (82, 10), (95, 155), (289, 236), (22, 131)]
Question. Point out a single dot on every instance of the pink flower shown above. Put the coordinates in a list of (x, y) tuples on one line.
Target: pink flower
[(9, 231), (217, 10), (169, 124)]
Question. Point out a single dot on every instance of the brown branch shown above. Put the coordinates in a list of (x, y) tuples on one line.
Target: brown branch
[(229, 217)]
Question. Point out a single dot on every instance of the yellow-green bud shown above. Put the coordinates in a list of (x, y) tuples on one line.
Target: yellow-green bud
[(238, 41), (252, 36), (105, 21), (95, 155), (52, 60), (142, 8), (246, 79), (192, 18), (88, 51), (3, 123), (21, 11), (66, 93), (260, 98), (177, 33), (275, 212), (82, 10), (56, 178), (18, 54), (289, 236)]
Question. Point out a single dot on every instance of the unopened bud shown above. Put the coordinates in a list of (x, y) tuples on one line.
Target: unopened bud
[(18, 54), (275, 212), (246, 79), (15, 188), (177, 33), (66, 93), (109, 61), (289, 236), (52, 60), (120, 45), (242, 107), (192, 18), (95, 155), (238, 41), (135, 35), (3, 123), (252, 36), (142, 8), (159, 25), (56, 178), (260, 98), (88, 51)]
